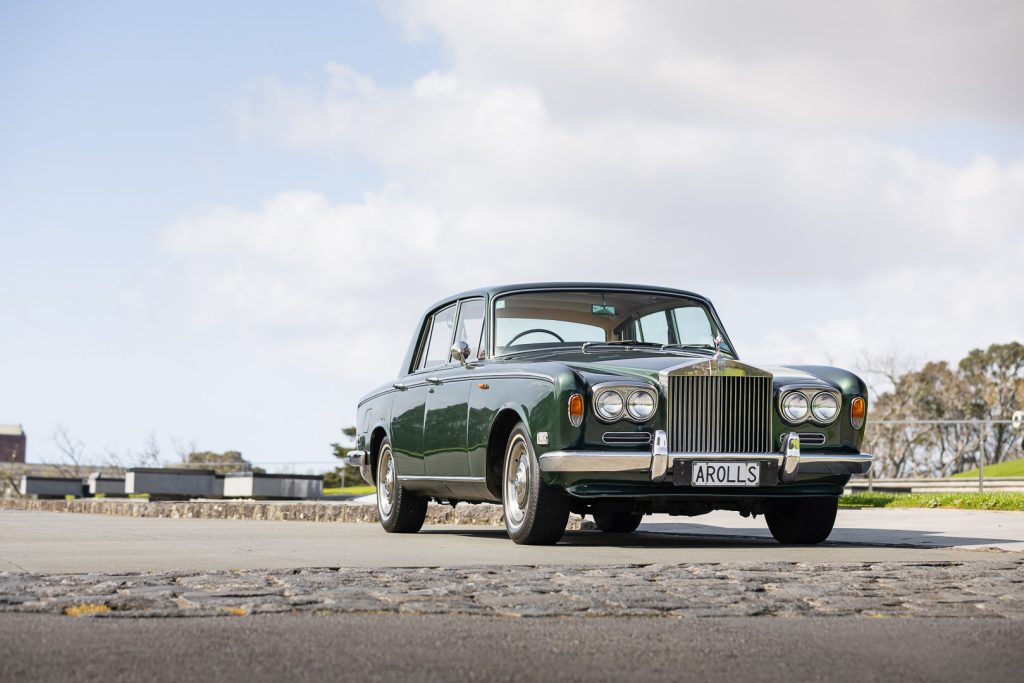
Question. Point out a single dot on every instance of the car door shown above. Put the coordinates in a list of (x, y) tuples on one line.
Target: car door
[(410, 401), (447, 404)]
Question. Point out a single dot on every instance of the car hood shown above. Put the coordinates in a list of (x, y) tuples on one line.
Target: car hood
[(650, 366)]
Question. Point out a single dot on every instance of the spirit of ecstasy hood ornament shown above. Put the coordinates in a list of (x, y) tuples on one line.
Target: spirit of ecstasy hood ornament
[(717, 358)]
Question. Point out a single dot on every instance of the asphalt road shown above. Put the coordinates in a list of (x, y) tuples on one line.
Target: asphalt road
[(461, 648), (913, 595), (48, 542)]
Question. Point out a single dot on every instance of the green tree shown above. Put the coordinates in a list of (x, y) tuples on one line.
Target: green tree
[(344, 475), (221, 463), (986, 385)]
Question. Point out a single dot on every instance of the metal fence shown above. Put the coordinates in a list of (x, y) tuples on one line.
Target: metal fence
[(937, 449)]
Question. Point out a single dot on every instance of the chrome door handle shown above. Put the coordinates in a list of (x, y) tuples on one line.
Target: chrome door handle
[(434, 380), (400, 387)]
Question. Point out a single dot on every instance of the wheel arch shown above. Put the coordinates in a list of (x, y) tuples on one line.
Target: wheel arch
[(377, 437), (501, 427)]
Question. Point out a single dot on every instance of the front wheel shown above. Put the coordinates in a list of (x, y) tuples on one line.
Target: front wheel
[(535, 513), (804, 522), (401, 511)]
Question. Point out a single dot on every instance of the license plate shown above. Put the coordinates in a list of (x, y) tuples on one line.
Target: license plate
[(725, 474)]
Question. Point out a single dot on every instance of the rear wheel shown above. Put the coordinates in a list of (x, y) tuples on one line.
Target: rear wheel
[(401, 511), (806, 521), (535, 513), (618, 522)]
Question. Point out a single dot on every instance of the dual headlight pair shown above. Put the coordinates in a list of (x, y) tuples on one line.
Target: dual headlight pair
[(635, 403), (801, 405)]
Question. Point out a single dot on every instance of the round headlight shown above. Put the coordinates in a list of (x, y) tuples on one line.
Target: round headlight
[(608, 405), (640, 405), (794, 407), (824, 407)]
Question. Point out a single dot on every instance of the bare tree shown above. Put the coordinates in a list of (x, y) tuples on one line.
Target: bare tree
[(183, 449), (71, 451), (9, 482), (149, 456)]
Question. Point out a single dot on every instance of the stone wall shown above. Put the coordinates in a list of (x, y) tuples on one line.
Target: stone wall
[(312, 511)]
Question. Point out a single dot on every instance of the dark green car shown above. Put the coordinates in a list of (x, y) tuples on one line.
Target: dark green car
[(609, 400)]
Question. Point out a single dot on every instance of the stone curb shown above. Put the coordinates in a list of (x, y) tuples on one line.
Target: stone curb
[(309, 511)]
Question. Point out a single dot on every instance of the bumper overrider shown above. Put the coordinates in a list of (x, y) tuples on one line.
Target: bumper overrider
[(789, 461), (361, 459)]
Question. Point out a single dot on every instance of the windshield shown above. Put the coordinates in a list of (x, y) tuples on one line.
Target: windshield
[(534, 320)]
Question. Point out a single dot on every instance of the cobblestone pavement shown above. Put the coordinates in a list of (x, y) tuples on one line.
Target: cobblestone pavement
[(871, 589)]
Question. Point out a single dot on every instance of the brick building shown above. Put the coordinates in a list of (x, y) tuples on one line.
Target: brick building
[(12, 443)]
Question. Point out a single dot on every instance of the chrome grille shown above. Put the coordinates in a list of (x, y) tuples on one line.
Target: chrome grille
[(632, 438), (812, 439), (721, 414)]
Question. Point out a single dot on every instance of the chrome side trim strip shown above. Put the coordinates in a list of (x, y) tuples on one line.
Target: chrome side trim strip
[(428, 477)]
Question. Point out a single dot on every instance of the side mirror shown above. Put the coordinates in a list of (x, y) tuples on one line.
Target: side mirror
[(461, 351)]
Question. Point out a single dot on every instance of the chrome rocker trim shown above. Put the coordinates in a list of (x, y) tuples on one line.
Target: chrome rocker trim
[(658, 461)]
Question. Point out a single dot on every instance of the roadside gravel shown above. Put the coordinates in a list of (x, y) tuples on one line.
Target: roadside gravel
[(991, 589)]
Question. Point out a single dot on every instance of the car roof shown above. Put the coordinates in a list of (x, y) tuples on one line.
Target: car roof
[(540, 286)]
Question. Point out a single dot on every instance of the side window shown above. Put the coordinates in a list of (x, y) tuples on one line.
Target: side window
[(653, 328), (439, 343), (471, 326)]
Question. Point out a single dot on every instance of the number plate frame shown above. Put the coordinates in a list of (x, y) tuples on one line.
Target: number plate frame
[(682, 472)]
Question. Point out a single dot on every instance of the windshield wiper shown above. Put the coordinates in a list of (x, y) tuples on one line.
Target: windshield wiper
[(702, 347), (639, 345), (543, 349)]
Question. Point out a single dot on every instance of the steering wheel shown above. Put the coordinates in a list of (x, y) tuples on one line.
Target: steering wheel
[(536, 329)]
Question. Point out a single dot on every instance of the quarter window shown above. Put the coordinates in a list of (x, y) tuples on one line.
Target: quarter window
[(471, 326), (440, 341)]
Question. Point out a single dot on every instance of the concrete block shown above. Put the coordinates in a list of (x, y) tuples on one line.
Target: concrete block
[(173, 483), (51, 487), (273, 486), (107, 485)]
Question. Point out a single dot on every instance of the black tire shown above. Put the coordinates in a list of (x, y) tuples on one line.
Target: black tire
[(803, 522), (535, 513), (618, 522), (401, 511)]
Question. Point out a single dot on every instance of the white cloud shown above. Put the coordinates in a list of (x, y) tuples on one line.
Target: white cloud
[(725, 152)]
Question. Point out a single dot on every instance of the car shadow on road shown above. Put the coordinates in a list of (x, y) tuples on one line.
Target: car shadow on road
[(637, 539), (686, 535), (866, 536)]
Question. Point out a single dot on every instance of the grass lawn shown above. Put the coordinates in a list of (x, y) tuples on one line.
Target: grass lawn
[(1008, 468), (350, 491), (998, 500)]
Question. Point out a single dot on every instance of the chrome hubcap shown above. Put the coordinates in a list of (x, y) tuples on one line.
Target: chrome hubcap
[(386, 484), (517, 481)]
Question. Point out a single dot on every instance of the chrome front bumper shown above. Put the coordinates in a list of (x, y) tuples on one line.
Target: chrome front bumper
[(658, 461), (361, 459)]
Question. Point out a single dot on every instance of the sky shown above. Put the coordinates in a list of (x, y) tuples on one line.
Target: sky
[(219, 222)]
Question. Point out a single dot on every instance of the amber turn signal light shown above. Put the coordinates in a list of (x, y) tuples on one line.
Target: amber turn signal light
[(858, 409), (575, 410)]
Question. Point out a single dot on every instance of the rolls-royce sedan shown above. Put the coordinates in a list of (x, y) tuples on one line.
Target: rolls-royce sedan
[(609, 400)]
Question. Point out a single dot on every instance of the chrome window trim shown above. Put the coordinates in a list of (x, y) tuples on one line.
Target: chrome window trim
[(633, 290), (455, 328), (430, 335)]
